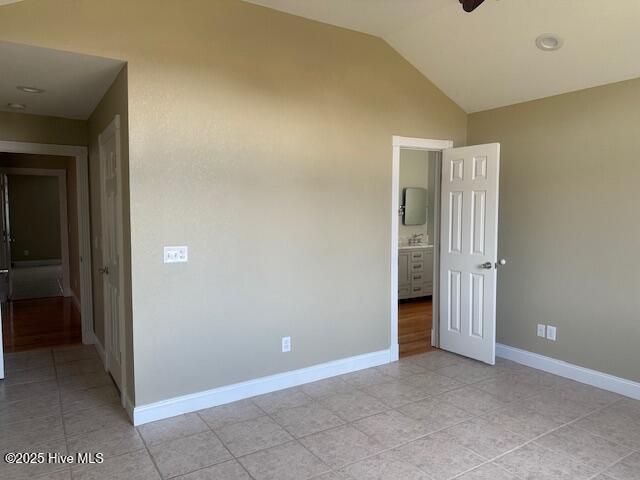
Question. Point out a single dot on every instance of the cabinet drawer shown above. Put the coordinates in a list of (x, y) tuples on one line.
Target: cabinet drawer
[(417, 256), (416, 267), (419, 278), (417, 290), (404, 292)]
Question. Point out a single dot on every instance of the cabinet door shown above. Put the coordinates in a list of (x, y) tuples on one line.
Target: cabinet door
[(403, 269)]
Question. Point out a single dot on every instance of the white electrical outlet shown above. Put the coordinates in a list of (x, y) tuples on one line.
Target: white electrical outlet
[(551, 333), (176, 254), (286, 344), (541, 330)]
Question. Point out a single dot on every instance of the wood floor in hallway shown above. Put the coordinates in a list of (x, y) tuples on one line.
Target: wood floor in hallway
[(415, 319), (38, 323)]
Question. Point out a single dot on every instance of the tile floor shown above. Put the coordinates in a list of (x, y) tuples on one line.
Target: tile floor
[(434, 416)]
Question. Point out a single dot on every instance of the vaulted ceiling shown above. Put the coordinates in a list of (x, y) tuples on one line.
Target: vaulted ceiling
[(488, 58)]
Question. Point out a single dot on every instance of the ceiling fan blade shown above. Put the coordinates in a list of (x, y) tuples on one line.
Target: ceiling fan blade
[(470, 5)]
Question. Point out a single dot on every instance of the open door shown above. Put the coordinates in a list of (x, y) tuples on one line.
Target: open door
[(469, 250), (5, 247), (5, 256)]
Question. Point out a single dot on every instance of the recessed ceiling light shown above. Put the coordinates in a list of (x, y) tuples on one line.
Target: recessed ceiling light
[(549, 42), (30, 89), (16, 106)]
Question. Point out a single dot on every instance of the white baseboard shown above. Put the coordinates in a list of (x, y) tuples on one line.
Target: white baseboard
[(231, 393), (595, 378)]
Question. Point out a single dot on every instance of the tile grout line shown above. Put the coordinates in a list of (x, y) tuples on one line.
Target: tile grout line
[(64, 427), (602, 472), (146, 447), (297, 440), (598, 472), (233, 457)]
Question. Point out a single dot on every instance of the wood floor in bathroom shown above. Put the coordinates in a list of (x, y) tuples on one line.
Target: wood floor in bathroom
[(415, 318)]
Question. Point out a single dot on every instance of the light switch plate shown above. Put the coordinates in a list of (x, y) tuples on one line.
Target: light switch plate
[(176, 254), (551, 333), (542, 330)]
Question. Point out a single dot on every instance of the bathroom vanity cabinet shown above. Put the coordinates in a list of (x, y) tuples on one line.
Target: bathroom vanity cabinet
[(415, 272)]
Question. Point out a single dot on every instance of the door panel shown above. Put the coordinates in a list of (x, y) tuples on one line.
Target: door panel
[(455, 302), (468, 259), (111, 251)]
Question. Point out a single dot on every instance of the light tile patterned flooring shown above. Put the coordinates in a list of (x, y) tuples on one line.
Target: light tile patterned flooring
[(434, 416)]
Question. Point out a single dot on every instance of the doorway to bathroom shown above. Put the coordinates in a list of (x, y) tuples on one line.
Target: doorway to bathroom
[(444, 297), (415, 246), (416, 236)]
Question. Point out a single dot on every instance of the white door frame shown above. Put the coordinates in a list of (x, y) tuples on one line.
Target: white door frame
[(61, 175), (84, 229), (114, 129), (409, 143)]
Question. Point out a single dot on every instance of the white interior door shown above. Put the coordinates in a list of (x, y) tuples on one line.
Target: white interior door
[(468, 250), (111, 212), (5, 247), (5, 256)]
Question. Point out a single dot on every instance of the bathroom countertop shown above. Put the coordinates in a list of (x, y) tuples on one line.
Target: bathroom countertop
[(414, 247)]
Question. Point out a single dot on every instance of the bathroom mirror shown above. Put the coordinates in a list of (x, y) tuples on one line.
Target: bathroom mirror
[(415, 206)]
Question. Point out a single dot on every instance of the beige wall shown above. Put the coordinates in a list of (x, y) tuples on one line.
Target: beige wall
[(20, 160), (34, 210), (114, 102), (569, 224), (22, 127), (262, 141)]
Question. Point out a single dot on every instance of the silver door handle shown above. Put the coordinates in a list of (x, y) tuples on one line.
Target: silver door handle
[(4, 271), (104, 270), (487, 265), (502, 261)]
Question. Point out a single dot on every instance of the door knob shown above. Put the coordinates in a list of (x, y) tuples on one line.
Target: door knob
[(502, 261), (487, 265), (104, 270)]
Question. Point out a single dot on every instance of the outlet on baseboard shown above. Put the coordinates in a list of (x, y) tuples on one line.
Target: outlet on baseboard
[(551, 333), (286, 344), (542, 330)]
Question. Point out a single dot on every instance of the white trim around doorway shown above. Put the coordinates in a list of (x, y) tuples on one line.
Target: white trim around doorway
[(410, 143), (84, 232)]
